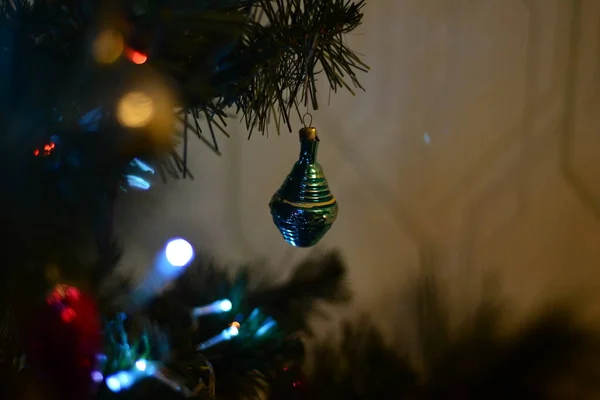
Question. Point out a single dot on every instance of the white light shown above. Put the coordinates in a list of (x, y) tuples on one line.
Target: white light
[(231, 332), (225, 335), (124, 379), (141, 365), (113, 384), (179, 252), (219, 306), (225, 305)]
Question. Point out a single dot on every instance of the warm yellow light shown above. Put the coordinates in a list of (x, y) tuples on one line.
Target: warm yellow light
[(108, 46), (135, 110)]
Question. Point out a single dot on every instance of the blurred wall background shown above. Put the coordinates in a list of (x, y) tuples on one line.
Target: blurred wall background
[(475, 150)]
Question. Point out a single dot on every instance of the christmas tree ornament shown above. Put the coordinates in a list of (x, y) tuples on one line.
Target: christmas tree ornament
[(63, 342), (304, 208)]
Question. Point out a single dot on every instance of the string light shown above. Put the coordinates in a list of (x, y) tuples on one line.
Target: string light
[(142, 165), (135, 110), (137, 182), (97, 376), (141, 365), (179, 252), (108, 46), (46, 150), (219, 306), (142, 369), (136, 57), (227, 334), (125, 379), (268, 324)]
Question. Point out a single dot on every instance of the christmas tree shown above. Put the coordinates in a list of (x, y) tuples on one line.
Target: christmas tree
[(96, 97)]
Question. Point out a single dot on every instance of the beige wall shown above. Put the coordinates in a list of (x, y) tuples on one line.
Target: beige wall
[(508, 93)]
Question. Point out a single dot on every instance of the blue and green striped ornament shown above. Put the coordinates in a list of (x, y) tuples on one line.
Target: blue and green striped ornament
[(304, 208)]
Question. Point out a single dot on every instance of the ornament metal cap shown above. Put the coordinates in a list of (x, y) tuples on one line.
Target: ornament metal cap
[(308, 133)]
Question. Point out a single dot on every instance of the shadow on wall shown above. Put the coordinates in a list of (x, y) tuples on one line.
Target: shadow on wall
[(550, 355)]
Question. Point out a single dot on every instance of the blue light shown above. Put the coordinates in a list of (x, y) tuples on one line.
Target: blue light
[(136, 162), (225, 335), (179, 252), (136, 182), (97, 376), (91, 120), (231, 332), (219, 306), (253, 314), (141, 365), (225, 305), (124, 379), (269, 323), (113, 384)]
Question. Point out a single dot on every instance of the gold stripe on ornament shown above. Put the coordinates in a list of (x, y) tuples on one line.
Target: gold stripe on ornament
[(309, 205)]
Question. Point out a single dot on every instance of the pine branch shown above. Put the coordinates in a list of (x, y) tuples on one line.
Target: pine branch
[(275, 67), (320, 279), (245, 365), (362, 366)]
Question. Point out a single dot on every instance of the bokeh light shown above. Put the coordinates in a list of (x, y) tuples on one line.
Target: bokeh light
[(135, 110), (108, 46), (136, 57), (179, 252)]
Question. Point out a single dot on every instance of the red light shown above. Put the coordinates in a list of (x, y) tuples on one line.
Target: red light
[(72, 294), (47, 149), (54, 298), (67, 314), (136, 57)]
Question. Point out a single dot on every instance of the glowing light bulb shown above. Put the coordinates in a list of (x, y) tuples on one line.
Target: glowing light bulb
[(225, 305), (218, 306), (97, 376), (113, 384), (141, 365), (136, 57), (137, 182), (266, 327), (125, 379), (136, 162), (108, 46), (227, 334), (233, 330), (179, 252), (135, 110)]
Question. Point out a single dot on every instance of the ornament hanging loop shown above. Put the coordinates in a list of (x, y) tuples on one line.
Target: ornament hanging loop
[(309, 117)]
